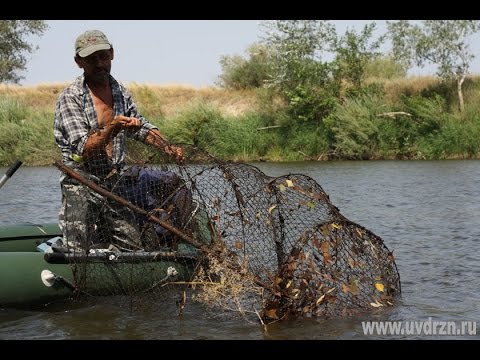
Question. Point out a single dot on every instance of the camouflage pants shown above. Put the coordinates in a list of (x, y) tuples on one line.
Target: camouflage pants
[(87, 219)]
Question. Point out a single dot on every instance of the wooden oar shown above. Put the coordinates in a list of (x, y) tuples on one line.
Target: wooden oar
[(10, 172)]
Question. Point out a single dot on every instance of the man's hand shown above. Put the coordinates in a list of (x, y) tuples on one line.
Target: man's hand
[(158, 140), (120, 122), (175, 152)]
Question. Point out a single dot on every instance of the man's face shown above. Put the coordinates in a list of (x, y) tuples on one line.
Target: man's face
[(96, 66)]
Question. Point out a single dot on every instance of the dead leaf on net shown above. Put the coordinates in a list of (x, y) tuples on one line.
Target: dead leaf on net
[(384, 297), (271, 313), (331, 299), (355, 250), (379, 287), (351, 262), (376, 304), (302, 257), (351, 288), (292, 266), (325, 252), (238, 245), (354, 288), (359, 232), (320, 299), (330, 290), (311, 205), (324, 230), (295, 252), (336, 226), (270, 209), (326, 277), (289, 183), (215, 217), (281, 187)]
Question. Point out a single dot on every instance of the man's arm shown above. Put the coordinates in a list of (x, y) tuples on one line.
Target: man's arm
[(98, 140)]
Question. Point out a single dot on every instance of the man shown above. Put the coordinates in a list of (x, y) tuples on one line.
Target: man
[(93, 116)]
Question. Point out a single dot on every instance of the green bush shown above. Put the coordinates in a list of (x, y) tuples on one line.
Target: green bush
[(352, 128), (428, 113), (455, 140), (239, 73)]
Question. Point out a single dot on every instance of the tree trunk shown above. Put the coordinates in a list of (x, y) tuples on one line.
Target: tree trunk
[(460, 93)]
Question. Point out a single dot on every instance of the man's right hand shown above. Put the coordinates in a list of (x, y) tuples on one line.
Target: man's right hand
[(120, 122)]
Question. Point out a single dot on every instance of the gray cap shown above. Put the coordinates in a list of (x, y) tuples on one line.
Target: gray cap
[(91, 41)]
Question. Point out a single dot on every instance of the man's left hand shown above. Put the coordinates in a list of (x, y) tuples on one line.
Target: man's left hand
[(175, 152)]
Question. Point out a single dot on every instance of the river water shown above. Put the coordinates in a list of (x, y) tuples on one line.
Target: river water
[(427, 212)]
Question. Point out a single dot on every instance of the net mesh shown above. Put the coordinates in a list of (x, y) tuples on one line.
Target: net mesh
[(237, 239)]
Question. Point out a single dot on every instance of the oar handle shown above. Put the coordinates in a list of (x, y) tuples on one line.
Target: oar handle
[(13, 168)]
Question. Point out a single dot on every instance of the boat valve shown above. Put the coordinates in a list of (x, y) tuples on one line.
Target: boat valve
[(50, 279)]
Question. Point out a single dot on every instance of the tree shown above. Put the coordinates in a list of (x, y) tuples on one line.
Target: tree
[(441, 42), (14, 45), (354, 51), (296, 45), (298, 73)]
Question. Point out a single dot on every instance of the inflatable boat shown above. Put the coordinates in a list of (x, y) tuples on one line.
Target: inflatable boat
[(31, 273)]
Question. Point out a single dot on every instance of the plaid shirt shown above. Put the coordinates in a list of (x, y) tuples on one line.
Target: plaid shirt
[(75, 118)]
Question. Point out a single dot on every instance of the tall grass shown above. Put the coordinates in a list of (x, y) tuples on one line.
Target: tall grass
[(225, 136), (25, 134)]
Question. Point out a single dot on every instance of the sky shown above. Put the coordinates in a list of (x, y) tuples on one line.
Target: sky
[(163, 52)]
